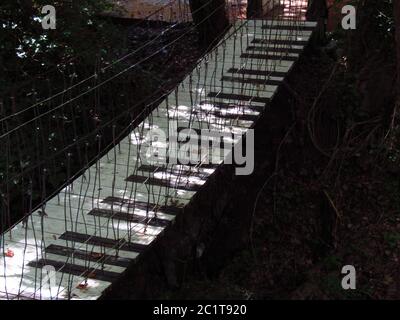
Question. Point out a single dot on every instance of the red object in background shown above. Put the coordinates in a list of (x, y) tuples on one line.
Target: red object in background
[(9, 253), (82, 286)]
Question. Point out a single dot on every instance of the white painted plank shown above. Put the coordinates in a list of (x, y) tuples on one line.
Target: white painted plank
[(25, 280)]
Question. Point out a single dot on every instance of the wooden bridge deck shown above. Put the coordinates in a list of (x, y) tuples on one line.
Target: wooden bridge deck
[(98, 226)]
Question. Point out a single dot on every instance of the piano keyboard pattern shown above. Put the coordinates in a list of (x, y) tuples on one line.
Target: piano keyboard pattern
[(97, 226)]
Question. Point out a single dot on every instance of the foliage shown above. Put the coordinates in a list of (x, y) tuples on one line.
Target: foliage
[(374, 20), (44, 142), (27, 50), (36, 63)]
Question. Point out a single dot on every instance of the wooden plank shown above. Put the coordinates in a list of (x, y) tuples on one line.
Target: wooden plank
[(10, 244), (271, 68), (200, 120), (93, 256), (124, 204), (24, 279), (212, 115), (167, 212), (291, 27), (220, 115), (115, 217), (116, 183), (230, 96), (41, 230), (267, 56), (291, 41), (220, 63), (126, 162), (245, 39), (39, 241), (85, 220), (254, 81), (76, 270), (277, 22), (87, 261), (120, 215), (248, 72), (291, 51), (184, 185), (105, 241), (87, 202)]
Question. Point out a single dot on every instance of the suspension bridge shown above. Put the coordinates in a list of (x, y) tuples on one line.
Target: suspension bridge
[(78, 240)]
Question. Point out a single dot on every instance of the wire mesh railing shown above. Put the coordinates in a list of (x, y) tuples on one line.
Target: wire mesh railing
[(114, 201)]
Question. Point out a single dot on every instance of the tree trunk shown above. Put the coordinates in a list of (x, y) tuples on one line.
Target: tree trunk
[(211, 19), (396, 6), (318, 11), (254, 9)]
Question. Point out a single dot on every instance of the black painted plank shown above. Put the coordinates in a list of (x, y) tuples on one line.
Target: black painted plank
[(89, 256), (240, 97), (264, 73), (252, 81), (234, 116), (171, 210), (281, 41), (267, 57), (76, 270), (119, 215), (295, 27), (154, 169), (202, 165), (103, 242), (224, 105), (163, 183), (275, 49)]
